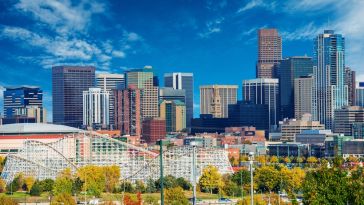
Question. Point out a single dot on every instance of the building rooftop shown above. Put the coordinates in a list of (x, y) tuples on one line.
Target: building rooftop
[(36, 128)]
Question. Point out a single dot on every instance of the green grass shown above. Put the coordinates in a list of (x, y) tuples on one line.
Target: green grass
[(23, 196)]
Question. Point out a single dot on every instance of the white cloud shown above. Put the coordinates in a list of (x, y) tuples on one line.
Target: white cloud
[(256, 4), (309, 31), (313, 5), (118, 54), (212, 27), (63, 16), (133, 36)]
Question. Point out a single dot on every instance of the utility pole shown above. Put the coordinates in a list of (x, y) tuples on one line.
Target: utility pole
[(161, 143), (251, 159), (193, 143)]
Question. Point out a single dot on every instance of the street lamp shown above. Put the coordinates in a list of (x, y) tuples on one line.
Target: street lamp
[(161, 143), (193, 144), (251, 159)]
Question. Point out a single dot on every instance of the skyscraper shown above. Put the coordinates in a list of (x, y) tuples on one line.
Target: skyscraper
[(303, 96), (68, 84), (96, 108), (269, 52), (214, 99), (128, 111), (174, 113), (172, 94), (263, 91), (359, 94), (25, 101), (109, 82), (182, 81), (143, 79), (288, 70), (329, 73), (350, 82)]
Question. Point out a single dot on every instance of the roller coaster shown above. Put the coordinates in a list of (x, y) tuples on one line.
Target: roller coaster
[(47, 160)]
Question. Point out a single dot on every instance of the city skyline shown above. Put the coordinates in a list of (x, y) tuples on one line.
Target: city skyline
[(225, 38)]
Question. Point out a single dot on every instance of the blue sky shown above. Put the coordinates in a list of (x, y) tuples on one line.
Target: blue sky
[(216, 40)]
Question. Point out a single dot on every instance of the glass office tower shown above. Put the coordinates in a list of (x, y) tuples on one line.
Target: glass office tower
[(290, 69), (329, 72), (68, 84)]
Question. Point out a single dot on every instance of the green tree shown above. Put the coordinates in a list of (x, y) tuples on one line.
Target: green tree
[(230, 188), (326, 186), (29, 182), (126, 186), (311, 160), (242, 177), (175, 196), (183, 183), (63, 183), (93, 179), (2, 185), (16, 184), (112, 176), (168, 182), (151, 186), (210, 179), (356, 187), (267, 178), (36, 189), (140, 186), (273, 159), (291, 180), (46, 185)]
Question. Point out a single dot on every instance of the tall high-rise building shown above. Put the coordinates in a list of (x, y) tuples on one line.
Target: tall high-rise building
[(182, 81), (68, 84), (128, 111), (303, 96), (144, 79), (174, 113), (215, 99), (172, 94), (359, 94), (109, 82), (24, 104), (264, 91), (21, 97), (350, 82), (288, 70), (96, 108), (269, 52), (345, 118), (331, 92)]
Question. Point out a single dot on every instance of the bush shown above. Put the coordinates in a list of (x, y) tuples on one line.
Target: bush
[(7, 201), (149, 200), (63, 198), (36, 189), (175, 196)]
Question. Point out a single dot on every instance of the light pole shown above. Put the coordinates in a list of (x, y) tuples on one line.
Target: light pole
[(161, 143), (193, 144), (251, 159)]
